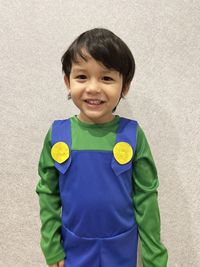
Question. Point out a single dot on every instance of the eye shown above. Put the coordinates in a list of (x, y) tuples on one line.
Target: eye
[(107, 78), (81, 77)]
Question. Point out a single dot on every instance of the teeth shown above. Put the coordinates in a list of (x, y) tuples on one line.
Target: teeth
[(95, 102)]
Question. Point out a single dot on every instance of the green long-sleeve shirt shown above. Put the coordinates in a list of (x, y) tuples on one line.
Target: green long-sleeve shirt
[(145, 184)]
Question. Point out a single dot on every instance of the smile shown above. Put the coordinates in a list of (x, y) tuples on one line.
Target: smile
[(94, 105), (94, 102)]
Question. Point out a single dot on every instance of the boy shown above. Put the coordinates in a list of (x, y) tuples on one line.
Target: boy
[(98, 186)]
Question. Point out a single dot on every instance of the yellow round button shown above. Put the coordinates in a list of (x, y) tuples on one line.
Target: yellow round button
[(60, 152), (123, 152)]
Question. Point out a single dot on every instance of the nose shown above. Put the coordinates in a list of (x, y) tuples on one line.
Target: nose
[(93, 86)]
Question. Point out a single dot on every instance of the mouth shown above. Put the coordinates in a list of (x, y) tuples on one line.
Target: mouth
[(94, 102)]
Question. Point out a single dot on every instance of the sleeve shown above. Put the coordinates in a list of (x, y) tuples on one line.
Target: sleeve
[(147, 215), (50, 205)]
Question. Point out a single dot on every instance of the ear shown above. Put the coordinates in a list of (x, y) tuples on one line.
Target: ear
[(66, 80), (126, 89)]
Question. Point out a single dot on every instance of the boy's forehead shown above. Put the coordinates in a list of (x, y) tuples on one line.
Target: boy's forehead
[(80, 64), (81, 60)]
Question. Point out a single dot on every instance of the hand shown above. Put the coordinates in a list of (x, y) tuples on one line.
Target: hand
[(58, 264)]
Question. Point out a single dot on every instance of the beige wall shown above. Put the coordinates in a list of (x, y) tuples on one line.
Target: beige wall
[(164, 98)]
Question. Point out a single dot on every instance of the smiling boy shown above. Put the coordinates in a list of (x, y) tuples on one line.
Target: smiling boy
[(88, 81), (98, 186)]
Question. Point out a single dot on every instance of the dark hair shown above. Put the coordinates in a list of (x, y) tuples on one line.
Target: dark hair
[(104, 46)]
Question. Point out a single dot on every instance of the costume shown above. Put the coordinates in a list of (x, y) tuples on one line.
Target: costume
[(100, 215)]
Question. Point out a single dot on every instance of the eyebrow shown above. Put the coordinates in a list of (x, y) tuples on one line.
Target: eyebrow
[(82, 69)]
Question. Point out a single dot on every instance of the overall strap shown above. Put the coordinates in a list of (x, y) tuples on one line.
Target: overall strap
[(61, 132), (127, 132)]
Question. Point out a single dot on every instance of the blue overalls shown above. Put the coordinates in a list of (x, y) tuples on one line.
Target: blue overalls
[(98, 225)]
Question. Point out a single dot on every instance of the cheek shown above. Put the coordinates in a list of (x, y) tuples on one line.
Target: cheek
[(76, 88), (115, 93)]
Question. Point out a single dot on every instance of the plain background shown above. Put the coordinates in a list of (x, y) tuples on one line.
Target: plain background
[(164, 97)]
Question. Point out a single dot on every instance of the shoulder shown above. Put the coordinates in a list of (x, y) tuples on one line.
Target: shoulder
[(141, 140), (60, 125), (142, 144), (129, 123), (129, 119), (61, 121), (53, 125)]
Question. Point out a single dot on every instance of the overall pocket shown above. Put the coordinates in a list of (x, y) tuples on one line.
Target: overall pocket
[(80, 251), (120, 250), (116, 251)]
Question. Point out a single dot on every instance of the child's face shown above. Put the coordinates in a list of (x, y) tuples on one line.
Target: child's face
[(92, 81)]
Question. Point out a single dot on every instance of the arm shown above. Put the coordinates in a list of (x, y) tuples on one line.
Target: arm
[(59, 264), (50, 205), (145, 183)]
